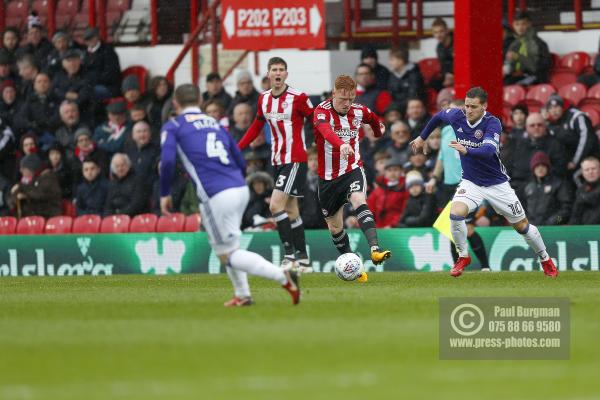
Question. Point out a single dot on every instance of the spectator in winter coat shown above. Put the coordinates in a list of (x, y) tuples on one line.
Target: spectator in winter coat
[(37, 45), (548, 198), (367, 92), (39, 113), (257, 212), (416, 116), (59, 166), (310, 210), (70, 122), (38, 192), (90, 195), (405, 80), (528, 59), (28, 70), (126, 193), (246, 93), (71, 83), (445, 53), (537, 139), (111, 135), (573, 129), (420, 207), (215, 90), (400, 148), (86, 148), (368, 55), (388, 200), (143, 153), (586, 210), (156, 101), (131, 91), (10, 104), (102, 62)]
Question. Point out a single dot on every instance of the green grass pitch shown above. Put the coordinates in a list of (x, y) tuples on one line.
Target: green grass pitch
[(145, 337)]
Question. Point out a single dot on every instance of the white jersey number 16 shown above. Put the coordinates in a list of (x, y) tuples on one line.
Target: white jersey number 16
[(215, 148)]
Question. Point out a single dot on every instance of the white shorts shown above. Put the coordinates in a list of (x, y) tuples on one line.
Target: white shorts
[(502, 197), (222, 218)]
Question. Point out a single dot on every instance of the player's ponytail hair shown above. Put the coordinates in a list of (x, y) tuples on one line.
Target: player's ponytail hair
[(344, 82)]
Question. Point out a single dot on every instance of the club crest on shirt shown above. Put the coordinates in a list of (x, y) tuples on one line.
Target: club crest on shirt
[(478, 134), (356, 121), (284, 105)]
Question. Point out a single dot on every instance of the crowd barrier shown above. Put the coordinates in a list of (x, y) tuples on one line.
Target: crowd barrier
[(573, 248)]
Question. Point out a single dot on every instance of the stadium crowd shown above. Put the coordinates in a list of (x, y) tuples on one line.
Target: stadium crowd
[(73, 134)]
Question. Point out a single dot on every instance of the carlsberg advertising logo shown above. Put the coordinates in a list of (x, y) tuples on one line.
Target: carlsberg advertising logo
[(23, 262)]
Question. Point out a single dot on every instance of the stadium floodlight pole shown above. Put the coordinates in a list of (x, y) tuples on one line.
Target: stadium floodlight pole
[(191, 39)]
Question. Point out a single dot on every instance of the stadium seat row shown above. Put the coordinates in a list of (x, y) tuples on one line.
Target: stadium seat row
[(63, 224)]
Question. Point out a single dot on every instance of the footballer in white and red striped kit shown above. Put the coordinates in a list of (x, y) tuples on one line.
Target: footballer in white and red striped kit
[(338, 132), (285, 109)]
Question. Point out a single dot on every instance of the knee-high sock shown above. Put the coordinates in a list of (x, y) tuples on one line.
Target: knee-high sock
[(458, 227), (284, 227), (534, 240), (366, 220), (298, 237), (479, 249), (239, 280), (453, 251), (341, 242), (255, 264)]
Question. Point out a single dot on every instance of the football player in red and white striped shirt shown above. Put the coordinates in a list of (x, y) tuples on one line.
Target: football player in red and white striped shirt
[(285, 109), (338, 132)]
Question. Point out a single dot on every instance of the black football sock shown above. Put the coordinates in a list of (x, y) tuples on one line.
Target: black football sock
[(367, 224), (453, 252), (298, 237), (284, 227), (341, 242), (479, 249)]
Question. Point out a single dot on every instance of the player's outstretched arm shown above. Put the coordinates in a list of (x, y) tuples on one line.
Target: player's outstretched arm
[(252, 132)]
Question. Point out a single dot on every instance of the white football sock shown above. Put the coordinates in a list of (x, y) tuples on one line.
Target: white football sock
[(534, 240), (255, 264), (458, 227), (239, 280)]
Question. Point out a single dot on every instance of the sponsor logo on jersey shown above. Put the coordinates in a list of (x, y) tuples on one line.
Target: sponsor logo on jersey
[(349, 133), (470, 143), (321, 116), (276, 116), (478, 134)]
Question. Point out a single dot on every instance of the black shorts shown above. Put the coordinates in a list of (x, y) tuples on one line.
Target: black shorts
[(335, 193), (290, 178)]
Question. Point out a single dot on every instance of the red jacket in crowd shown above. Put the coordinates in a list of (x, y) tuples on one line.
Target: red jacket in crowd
[(387, 203)]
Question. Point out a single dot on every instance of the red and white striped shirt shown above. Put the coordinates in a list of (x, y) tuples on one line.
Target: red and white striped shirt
[(342, 129), (285, 114)]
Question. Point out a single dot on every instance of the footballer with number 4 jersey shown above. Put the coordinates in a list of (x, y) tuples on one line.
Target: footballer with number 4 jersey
[(483, 176), (215, 165), (342, 179), (285, 109)]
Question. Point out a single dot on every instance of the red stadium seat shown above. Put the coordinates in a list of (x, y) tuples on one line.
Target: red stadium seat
[(430, 68), (587, 101), (68, 208), (139, 71), (506, 116), (513, 94), (575, 61), (60, 224), (431, 100), (575, 92), (593, 111), (562, 77), (87, 224), (171, 223), (40, 6), (540, 93), (192, 223), (67, 8), (17, 9), (119, 6), (33, 225), (594, 91), (115, 224), (533, 105), (8, 225), (143, 223)]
